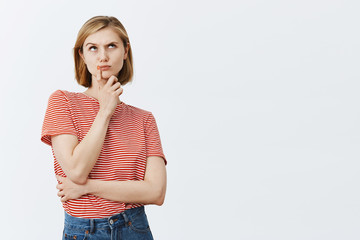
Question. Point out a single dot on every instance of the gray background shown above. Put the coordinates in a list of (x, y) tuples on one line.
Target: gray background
[(256, 103)]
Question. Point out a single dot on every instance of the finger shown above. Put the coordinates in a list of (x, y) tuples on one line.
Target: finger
[(111, 81), (115, 86), (60, 186), (99, 73), (115, 78), (61, 193), (59, 178), (119, 91), (63, 199)]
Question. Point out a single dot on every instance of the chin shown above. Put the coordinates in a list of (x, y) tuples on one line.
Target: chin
[(107, 75)]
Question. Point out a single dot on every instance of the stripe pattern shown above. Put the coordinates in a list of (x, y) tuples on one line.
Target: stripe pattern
[(132, 136)]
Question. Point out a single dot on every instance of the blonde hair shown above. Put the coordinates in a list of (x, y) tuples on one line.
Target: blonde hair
[(82, 74)]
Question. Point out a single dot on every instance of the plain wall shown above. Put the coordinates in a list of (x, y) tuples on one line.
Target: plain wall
[(256, 103)]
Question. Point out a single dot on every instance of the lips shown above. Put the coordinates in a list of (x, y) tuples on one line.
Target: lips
[(104, 67)]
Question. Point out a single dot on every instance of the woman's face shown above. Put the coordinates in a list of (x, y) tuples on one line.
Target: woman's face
[(105, 49)]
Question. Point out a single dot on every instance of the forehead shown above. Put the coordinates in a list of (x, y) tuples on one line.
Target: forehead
[(103, 36)]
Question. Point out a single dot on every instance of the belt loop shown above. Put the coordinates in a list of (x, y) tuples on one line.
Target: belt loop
[(125, 217), (92, 226)]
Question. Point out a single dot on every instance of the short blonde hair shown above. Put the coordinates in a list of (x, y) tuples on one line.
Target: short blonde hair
[(82, 74)]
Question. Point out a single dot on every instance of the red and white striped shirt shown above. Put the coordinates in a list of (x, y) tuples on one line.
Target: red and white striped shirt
[(132, 136)]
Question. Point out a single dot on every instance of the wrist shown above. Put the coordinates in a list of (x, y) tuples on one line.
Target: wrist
[(104, 114), (87, 187)]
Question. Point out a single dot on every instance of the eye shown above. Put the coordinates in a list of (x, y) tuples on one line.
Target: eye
[(112, 45), (92, 48)]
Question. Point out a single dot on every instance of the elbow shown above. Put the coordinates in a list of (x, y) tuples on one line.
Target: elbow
[(159, 201), (77, 178), (76, 174), (159, 197), (79, 181)]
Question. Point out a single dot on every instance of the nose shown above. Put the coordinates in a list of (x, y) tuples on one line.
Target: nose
[(103, 55)]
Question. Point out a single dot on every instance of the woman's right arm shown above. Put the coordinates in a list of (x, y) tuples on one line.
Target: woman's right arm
[(77, 159)]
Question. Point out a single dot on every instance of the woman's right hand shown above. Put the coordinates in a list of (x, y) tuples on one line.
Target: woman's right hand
[(108, 93)]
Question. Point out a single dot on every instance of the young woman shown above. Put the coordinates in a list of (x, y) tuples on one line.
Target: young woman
[(108, 157)]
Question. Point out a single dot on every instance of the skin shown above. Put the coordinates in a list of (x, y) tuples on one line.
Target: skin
[(101, 48), (78, 158)]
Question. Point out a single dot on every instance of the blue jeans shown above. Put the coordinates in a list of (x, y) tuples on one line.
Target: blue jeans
[(130, 224)]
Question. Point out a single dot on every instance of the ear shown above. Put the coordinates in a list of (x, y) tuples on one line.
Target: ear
[(126, 51), (81, 55)]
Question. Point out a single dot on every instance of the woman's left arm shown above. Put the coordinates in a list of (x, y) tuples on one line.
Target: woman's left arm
[(149, 191)]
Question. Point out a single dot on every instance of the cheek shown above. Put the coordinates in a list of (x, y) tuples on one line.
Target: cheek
[(91, 66), (120, 65), (119, 61), (92, 69)]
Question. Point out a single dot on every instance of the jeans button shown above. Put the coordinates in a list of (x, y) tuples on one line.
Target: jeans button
[(111, 221)]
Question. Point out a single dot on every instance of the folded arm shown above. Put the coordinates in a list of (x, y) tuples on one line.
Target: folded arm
[(149, 191)]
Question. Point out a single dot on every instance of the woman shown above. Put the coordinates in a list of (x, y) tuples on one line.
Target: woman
[(108, 157)]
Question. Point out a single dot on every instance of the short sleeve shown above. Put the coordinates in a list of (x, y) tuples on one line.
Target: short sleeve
[(152, 138), (57, 118)]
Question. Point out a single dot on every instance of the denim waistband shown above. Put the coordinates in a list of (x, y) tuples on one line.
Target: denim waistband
[(90, 224)]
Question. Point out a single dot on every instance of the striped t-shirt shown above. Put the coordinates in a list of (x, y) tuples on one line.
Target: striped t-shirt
[(132, 136)]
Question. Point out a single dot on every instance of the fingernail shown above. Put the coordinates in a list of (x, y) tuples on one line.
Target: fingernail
[(98, 67)]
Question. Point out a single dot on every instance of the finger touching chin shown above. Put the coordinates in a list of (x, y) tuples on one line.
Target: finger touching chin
[(106, 74)]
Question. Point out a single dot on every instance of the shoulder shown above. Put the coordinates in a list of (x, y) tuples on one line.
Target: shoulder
[(139, 112), (57, 97), (59, 94), (62, 99), (63, 95)]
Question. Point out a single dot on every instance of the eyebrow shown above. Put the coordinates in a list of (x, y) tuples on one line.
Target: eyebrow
[(105, 44)]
